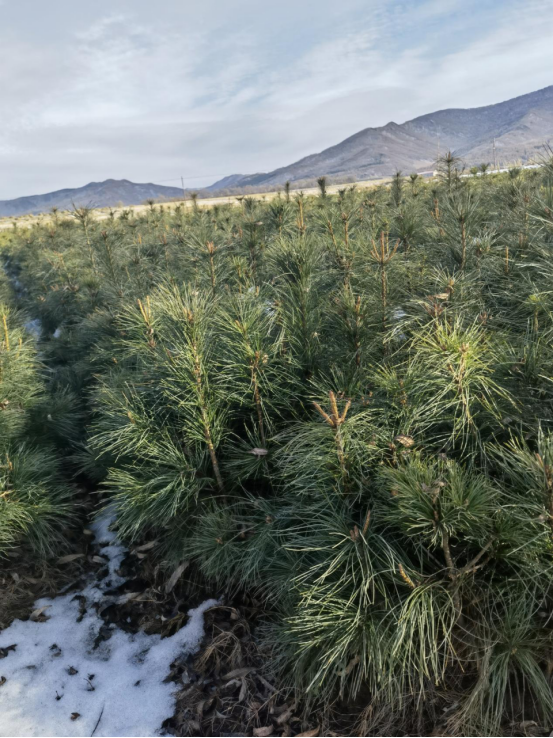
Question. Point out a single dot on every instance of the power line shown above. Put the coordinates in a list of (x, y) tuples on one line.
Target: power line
[(195, 176)]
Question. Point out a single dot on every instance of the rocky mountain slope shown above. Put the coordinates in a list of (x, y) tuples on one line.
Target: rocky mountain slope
[(520, 127)]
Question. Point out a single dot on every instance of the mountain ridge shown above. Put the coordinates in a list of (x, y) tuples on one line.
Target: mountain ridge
[(520, 126)]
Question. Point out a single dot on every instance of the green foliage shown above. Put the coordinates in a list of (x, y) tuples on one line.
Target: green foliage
[(341, 403), (35, 502)]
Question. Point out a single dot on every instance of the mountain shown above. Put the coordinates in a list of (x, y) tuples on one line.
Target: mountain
[(94, 195), (520, 127), (222, 184)]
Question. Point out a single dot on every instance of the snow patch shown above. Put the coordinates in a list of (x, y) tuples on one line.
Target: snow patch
[(34, 327), (64, 678), (398, 313)]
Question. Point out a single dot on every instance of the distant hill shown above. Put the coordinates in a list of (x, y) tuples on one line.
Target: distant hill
[(94, 195), (520, 127), (226, 182)]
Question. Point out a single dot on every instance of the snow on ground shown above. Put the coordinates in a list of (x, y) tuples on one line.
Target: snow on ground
[(61, 679), (34, 327)]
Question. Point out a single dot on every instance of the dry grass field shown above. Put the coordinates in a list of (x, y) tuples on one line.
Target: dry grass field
[(23, 221)]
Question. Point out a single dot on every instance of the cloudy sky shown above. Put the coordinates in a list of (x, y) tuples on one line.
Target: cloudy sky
[(150, 90)]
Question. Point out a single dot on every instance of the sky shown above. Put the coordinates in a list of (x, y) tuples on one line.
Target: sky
[(152, 90)]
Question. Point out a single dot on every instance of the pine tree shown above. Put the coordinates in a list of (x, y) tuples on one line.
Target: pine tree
[(36, 503)]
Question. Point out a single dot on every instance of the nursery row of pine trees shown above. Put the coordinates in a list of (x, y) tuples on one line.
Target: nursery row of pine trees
[(341, 404)]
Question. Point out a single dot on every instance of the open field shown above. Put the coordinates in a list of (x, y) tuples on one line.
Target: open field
[(102, 213)]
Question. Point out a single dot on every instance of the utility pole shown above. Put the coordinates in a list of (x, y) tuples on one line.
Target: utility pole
[(494, 159), (183, 192)]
